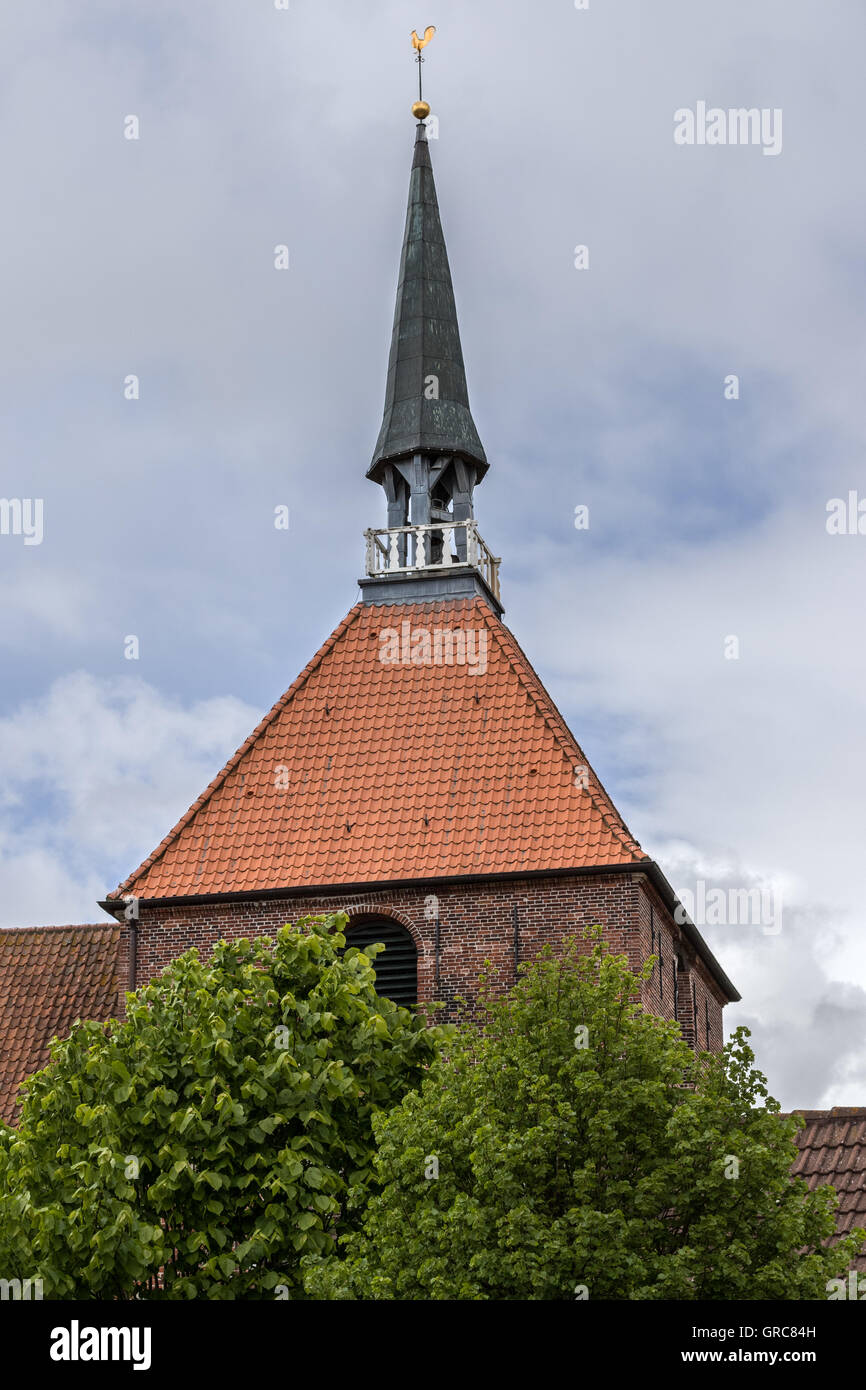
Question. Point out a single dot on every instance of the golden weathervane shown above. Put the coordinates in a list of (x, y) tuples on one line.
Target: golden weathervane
[(420, 108)]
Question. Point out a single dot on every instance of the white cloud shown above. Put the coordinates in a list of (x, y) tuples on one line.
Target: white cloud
[(95, 774), (736, 770)]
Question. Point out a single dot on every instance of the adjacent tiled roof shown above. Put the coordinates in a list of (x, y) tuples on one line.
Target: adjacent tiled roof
[(368, 772), (832, 1148), (49, 978)]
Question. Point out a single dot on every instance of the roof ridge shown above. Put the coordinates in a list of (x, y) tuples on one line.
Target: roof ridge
[(69, 926), (836, 1112), (236, 757), (541, 697)]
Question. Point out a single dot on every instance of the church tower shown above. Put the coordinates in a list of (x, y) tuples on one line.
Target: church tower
[(417, 774)]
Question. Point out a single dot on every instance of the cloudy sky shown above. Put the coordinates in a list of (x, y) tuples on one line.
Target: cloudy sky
[(602, 387)]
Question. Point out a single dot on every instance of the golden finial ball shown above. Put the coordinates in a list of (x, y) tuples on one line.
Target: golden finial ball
[(420, 110)]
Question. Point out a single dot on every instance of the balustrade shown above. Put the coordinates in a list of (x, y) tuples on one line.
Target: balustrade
[(404, 549)]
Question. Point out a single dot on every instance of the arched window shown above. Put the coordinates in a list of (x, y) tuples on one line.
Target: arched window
[(397, 966)]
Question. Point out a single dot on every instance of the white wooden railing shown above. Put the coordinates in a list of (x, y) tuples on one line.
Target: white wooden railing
[(403, 549)]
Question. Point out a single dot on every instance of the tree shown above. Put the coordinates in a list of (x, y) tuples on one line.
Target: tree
[(570, 1145), (205, 1144)]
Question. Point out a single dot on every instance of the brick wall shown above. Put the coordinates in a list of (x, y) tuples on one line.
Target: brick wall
[(122, 968), (681, 986), (477, 922)]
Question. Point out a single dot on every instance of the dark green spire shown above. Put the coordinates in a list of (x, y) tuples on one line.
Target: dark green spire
[(425, 343)]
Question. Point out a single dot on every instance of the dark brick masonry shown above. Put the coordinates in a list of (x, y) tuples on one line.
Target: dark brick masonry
[(477, 922)]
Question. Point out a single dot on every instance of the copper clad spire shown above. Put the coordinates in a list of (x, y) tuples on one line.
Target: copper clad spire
[(426, 398)]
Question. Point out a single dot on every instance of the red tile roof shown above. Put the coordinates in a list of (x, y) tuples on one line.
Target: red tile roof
[(395, 771), (833, 1150), (49, 978)]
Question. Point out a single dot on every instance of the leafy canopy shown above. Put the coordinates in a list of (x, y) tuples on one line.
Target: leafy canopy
[(583, 1150), (213, 1133)]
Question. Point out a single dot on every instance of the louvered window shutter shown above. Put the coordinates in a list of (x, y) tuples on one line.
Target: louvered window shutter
[(397, 966)]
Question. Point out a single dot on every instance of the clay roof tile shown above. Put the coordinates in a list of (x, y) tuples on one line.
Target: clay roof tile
[(485, 755)]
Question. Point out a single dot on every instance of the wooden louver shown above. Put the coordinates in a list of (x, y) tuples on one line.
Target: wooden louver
[(397, 966)]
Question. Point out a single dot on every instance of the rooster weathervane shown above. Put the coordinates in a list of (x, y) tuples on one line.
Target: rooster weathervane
[(420, 108)]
